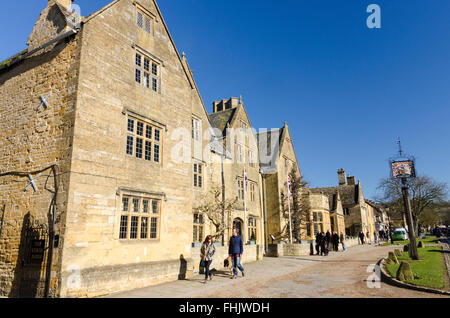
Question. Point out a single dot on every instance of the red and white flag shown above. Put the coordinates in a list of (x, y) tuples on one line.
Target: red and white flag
[(245, 178), (289, 186)]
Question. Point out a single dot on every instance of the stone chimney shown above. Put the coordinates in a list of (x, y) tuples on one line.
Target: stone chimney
[(226, 104), (342, 177), (52, 22), (351, 180), (65, 3)]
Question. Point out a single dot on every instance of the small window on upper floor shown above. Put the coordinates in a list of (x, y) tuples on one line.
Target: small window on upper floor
[(144, 22), (196, 130)]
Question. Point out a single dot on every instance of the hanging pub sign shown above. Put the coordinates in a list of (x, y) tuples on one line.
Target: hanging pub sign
[(403, 169)]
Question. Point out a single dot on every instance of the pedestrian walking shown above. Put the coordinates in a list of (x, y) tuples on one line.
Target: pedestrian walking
[(323, 245), (369, 239), (235, 250), (336, 241), (327, 241), (207, 252), (361, 237), (318, 242), (342, 239), (375, 236)]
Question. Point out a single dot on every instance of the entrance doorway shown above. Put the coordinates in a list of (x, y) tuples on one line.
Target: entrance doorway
[(238, 224)]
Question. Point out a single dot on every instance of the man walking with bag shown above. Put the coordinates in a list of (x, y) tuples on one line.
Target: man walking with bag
[(235, 250)]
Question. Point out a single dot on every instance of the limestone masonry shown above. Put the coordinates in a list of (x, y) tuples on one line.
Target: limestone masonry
[(106, 153)]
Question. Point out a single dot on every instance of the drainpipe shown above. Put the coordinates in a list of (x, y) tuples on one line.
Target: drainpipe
[(3, 216), (266, 230), (51, 238)]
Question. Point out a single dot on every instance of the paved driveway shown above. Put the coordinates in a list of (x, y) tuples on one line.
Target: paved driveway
[(337, 275)]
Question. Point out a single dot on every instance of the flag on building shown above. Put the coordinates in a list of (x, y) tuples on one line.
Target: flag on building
[(245, 178), (289, 186)]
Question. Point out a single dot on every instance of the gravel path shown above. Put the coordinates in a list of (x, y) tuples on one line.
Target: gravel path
[(337, 275)]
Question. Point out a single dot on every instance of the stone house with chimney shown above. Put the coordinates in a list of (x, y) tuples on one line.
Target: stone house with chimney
[(356, 213), (236, 138), (101, 133)]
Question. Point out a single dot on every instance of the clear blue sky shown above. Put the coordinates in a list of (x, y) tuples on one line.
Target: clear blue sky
[(347, 92)]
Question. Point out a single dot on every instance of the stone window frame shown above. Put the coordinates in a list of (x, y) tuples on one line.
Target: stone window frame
[(241, 189), (150, 140), (240, 153), (147, 71), (133, 221), (252, 191), (144, 20), (196, 126), (198, 227), (251, 158), (317, 221), (198, 170), (252, 227)]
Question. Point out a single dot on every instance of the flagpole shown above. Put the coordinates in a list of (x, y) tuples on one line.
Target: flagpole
[(245, 201), (289, 207)]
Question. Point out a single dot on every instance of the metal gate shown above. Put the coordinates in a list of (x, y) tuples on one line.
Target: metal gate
[(34, 257)]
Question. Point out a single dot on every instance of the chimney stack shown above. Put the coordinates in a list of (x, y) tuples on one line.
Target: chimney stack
[(65, 3), (225, 104), (351, 180), (342, 177)]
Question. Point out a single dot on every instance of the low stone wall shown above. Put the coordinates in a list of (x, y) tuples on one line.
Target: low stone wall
[(252, 253), (278, 250), (350, 242), (98, 281)]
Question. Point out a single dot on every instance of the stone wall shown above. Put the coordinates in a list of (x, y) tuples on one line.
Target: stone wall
[(104, 280), (33, 141), (103, 173)]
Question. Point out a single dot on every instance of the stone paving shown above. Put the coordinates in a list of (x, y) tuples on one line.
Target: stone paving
[(341, 274)]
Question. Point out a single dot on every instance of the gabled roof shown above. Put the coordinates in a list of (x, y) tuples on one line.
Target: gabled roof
[(349, 193), (274, 153), (267, 135), (182, 59), (219, 120)]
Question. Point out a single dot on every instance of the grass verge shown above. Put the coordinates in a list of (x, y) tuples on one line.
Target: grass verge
[(429, 271), (428, 240)]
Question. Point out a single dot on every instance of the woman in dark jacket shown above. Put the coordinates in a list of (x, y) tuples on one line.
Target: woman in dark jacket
[(235, 250), (207, 252)]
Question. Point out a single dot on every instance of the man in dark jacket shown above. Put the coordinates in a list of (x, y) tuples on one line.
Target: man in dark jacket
[(318, 242), (361, 237), (328, 240), (235, 250), (335, 242)]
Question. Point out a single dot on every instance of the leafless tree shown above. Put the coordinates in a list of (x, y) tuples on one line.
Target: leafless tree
[(424, 193), (211, 205), (299, 206), (428, 217)]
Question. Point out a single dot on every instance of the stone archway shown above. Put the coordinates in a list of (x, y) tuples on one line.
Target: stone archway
[(238, 224)]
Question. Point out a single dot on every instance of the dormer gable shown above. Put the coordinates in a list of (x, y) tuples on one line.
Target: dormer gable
[(53, 21)]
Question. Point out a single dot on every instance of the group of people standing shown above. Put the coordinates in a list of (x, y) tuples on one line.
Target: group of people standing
[(383, 235), (325, 241)]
